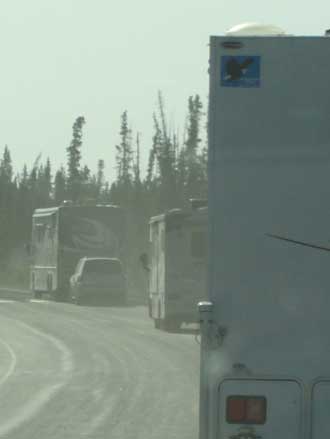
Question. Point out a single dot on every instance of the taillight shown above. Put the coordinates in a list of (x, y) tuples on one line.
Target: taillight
[(246, 409)]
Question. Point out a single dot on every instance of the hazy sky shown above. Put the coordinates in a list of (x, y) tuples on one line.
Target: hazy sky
[(65, 58)]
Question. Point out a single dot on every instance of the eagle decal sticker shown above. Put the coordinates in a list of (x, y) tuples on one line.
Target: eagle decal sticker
[(240, 71)]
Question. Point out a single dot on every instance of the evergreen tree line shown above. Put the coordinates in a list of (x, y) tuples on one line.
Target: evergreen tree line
[(176, 172)]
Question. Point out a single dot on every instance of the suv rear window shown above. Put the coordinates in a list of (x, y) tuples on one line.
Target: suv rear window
[(102, 266)]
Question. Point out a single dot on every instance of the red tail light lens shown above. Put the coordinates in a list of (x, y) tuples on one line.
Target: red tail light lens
[(235, 409), (246, 409)]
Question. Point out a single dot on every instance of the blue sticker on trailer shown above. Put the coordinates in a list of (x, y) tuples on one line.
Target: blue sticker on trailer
[(240, 71)]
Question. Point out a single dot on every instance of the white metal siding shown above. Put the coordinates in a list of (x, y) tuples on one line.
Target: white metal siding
[(157, 269), (185, 277), (320, 410)]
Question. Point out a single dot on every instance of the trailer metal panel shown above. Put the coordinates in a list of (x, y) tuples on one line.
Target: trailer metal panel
[(269, 174)]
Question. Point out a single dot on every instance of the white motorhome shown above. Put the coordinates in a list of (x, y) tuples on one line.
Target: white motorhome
[(178, 258), (265, 357), (64, 234)]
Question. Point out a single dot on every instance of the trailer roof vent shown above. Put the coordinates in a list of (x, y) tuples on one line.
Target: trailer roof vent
[(255, 29)]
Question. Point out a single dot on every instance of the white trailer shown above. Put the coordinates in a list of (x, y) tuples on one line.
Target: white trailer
[(178, 260), (265, 350)]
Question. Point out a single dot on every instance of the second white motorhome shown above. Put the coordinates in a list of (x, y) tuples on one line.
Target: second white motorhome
[(178, 261)]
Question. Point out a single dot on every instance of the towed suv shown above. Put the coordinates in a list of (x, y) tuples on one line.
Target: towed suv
[(98, 280)]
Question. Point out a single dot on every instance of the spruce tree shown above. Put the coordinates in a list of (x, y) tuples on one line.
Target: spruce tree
[(100, 178), (165, 151), (137, 169), (60, 193), (192, 156), (6, 167), (124, 156), (74, 179)]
